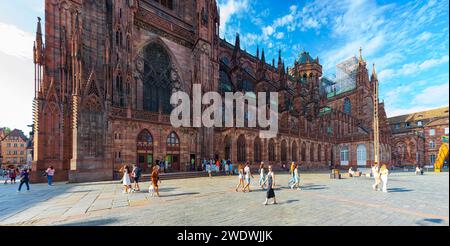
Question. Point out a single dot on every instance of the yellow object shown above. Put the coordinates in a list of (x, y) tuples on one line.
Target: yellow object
[(443, 153)]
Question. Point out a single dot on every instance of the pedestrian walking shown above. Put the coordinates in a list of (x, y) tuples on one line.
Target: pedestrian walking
[(270, 180), (230, 164), (248, 177), (376, 176), (384, 172), (136, 174), (154, 188), (13, 175), (241, 178), (261, 176), (24, 179), (296, 183), (50, 173), (126, 180), (291, 171)]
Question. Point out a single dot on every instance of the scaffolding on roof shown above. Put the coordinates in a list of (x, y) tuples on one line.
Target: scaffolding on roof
[(345, 78)]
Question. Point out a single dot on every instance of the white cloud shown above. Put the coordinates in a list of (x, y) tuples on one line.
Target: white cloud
[(16, 42), (279, 35), (229, 8), (413, 68), (433, 95)]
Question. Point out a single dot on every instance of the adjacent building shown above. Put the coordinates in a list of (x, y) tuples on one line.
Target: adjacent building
[(13, 149), (107, 70), (417, 137)]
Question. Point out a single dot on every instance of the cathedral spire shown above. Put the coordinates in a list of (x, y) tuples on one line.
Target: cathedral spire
[(263, 57), (257, 51), (360, 55), (38, 43), (374, 73)]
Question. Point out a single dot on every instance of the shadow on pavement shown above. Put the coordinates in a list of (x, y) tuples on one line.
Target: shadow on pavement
[(426, 222), (399, 190), (181, 194), (100, 222)]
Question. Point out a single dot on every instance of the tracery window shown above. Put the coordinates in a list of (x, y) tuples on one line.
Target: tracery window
[(294, 151), (157, 82), (225, 82)]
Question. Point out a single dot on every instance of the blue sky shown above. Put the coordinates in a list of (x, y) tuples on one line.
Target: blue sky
[(407, 40)]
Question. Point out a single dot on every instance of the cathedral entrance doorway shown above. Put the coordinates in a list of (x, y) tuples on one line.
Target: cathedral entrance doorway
[(144, 148), (173, 152)]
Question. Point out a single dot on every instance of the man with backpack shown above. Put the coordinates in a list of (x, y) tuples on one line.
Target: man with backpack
[(136, 174)]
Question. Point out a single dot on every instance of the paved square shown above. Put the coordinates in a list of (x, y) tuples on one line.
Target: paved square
[(411, 200)]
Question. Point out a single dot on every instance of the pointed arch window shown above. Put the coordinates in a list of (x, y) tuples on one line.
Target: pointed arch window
[(272, 156), (225, 82), (257, 150), (157, 83), (303, 152), (294, 151), (241, 154), (284, 150)]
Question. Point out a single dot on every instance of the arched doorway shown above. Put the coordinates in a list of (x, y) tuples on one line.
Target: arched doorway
[(361, 155), (173, 152), (144, 148), (241, 154)]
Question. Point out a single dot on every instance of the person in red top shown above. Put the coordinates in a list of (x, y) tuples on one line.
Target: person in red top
[(13, 175)]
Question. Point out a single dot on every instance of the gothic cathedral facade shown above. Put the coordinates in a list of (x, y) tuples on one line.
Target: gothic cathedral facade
[(107, 70)]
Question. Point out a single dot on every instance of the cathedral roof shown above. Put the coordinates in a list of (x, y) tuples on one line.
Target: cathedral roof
[(424, 115), (304, 57)]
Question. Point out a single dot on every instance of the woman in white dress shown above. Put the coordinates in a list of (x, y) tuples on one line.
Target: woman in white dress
[(261, 176), (126, 180), (384, 171)]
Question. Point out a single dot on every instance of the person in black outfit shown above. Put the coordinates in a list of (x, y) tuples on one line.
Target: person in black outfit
[(24, 179)]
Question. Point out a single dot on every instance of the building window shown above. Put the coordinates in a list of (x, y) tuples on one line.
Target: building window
[(271, 150), (408, 124), (419, 123), (432, 145), (432, 159), (157, 79), (257, 150), (397, 126), (432, 132), (284, 150), (241, 151), (344, 155), (166, 3), (225, 82), (347, 106), (446, 130)]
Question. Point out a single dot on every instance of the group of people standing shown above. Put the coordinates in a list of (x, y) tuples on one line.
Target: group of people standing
[(210, 166), (135, 174), (9, 174)]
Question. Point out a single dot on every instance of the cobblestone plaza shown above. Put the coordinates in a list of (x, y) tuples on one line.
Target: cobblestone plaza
[(411, 200)]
